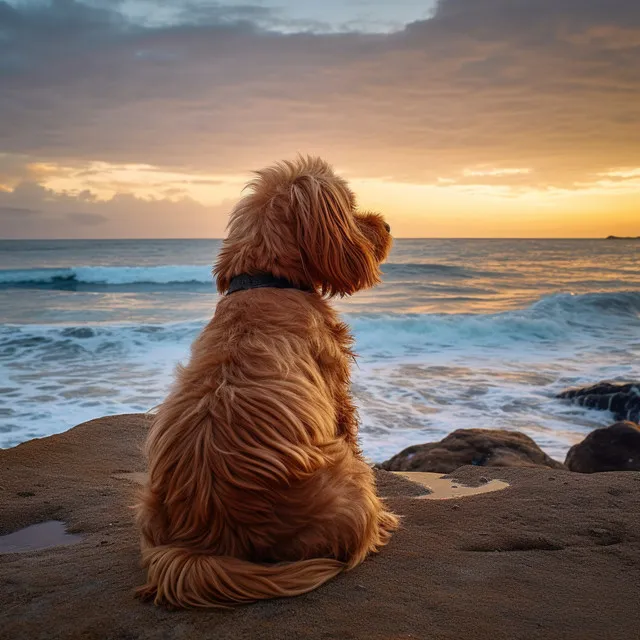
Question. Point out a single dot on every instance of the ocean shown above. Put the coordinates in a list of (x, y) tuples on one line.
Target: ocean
[(461, 333)]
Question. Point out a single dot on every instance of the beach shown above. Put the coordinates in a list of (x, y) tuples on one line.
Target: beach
[(552, 555)]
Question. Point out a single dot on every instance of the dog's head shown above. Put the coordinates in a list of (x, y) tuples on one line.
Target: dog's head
[(299, 222)]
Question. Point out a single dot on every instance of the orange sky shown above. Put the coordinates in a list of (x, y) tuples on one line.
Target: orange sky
[(175, 204), (480, 119)]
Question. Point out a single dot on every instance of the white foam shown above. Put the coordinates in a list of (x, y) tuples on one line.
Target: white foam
[(418, 376)]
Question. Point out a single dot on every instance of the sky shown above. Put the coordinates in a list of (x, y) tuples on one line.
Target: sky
[(453, 118)]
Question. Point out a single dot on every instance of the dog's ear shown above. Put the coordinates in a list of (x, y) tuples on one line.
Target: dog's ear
[(336, 255)]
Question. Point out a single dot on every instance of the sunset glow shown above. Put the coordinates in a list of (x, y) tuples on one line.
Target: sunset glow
[(467, 135)]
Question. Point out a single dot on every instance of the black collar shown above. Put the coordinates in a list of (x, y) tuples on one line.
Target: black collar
[(261, 281)]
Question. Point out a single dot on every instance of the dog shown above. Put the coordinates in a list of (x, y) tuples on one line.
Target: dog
[(257, 487)]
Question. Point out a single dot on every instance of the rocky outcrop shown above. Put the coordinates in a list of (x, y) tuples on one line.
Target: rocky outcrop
[(622, 399), (554, 555), (479, 447), (614, 448)]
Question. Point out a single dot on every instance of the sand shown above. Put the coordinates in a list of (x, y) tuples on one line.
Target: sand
[(553, 555)]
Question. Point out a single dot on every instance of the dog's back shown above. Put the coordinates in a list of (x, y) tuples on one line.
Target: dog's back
[(256, 485)]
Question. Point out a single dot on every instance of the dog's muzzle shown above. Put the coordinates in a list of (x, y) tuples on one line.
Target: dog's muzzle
[(387, 227)]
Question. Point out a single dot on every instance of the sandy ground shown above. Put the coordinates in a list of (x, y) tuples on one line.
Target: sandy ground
[(554, 555)]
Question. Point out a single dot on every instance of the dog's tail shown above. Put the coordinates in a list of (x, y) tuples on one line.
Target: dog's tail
[(180, 577)]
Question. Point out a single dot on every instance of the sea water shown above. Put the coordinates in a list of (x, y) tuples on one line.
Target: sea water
[(461, 333)]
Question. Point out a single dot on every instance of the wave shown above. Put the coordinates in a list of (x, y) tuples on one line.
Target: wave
[(105, 277), (587, 307), (79, 278), (554, 319), (558, 321)]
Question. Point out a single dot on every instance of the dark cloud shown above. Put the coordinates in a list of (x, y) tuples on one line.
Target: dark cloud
[(551, 85)]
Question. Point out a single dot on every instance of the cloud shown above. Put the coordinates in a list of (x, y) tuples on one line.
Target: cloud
[(536, 82), (550, 86), (51, 214)]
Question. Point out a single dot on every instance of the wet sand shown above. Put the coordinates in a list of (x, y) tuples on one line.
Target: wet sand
[(442, 487), (556, 555)]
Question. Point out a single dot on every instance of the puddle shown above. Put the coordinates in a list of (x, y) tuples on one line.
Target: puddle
[(447, 489), (37, 536)]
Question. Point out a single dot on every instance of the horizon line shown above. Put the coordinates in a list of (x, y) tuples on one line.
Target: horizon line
[(147, 239)]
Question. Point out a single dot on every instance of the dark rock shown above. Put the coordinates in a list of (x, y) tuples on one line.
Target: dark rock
[(622, 399), (479, 447), (614, 448)]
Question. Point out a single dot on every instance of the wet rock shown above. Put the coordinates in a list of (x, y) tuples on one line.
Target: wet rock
[(622, 399), (613, 448), (480, 447)]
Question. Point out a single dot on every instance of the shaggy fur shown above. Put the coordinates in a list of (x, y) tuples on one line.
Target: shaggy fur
[(257, 488)]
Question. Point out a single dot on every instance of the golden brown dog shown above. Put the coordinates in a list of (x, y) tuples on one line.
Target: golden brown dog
[(257, 488)]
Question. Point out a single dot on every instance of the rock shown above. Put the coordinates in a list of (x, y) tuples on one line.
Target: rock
[(479, 447), (613, 448), (622, 399), (539, 560)]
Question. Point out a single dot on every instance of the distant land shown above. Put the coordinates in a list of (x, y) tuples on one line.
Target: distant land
[(623, 237)]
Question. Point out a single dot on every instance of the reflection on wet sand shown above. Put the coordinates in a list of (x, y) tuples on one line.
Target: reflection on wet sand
[(38, 536), (443, 488)]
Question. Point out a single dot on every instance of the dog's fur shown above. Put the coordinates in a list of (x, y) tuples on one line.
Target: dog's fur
[(257, 488)]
